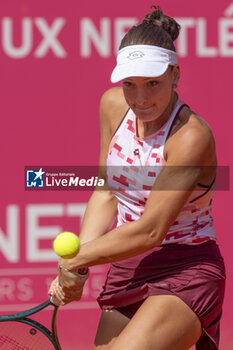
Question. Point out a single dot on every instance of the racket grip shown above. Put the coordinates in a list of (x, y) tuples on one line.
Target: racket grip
[(54, 300)]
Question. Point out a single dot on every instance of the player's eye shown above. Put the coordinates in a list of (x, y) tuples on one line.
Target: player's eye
[(127, 83), (153, 83)]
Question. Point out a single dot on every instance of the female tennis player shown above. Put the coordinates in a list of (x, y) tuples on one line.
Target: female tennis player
[(165, 286)]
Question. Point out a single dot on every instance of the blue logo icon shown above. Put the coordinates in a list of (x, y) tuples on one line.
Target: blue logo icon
[(35, 178)]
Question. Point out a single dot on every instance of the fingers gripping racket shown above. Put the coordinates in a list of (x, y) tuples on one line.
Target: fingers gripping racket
[(19, 332)]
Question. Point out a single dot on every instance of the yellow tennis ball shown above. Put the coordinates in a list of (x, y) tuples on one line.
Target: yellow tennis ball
[(66, 245)]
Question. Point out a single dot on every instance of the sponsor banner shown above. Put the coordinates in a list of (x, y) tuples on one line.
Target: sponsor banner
[(41, 36)]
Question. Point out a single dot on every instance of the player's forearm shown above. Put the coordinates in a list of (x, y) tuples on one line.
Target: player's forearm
[(121, 243), (99, 217)]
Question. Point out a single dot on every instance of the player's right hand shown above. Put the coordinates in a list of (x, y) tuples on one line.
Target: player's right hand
[(66, 294)]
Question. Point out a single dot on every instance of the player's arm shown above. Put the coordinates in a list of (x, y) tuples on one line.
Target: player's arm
[(191, 150), (101, 210)]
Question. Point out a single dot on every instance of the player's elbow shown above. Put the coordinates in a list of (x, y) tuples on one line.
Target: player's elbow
[(152, 234), (154, 238)]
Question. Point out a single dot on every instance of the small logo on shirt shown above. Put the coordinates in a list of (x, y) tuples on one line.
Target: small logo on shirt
[(135, 55), (136, 152)]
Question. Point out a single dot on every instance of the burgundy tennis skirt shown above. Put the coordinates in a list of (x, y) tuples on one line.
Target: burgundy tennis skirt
[(194, 273)]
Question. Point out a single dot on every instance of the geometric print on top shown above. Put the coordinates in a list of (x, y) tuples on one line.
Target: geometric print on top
[(133, 165)]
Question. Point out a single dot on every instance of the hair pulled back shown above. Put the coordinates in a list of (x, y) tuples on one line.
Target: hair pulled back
[(156, 29)]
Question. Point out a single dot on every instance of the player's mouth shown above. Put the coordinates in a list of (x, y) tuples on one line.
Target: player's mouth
[(144, 112), (144, 109)]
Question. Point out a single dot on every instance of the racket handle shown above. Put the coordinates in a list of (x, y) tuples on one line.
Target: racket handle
[(54, 300)]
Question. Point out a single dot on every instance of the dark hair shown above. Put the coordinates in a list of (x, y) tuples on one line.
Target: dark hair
[(156, 29)]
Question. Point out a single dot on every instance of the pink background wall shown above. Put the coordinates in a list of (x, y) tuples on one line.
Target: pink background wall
[(52, 75)]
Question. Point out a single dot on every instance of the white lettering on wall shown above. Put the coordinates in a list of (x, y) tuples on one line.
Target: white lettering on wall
[(229, 10), (201, 40), (7, 38), (9, 242), (182, 41), (105, 36), (11, 290), (25, 290), (35, 232), (7, 288), (76, 209), (50, 40), (90, 35), (226, 37)]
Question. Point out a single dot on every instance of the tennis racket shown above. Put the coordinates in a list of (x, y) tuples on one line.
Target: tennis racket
[(19, 332)]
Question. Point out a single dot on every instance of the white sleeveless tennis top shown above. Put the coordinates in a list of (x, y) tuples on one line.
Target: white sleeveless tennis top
[(133, 164)]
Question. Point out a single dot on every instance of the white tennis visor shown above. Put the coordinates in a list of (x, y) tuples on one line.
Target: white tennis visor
[(142, 61)]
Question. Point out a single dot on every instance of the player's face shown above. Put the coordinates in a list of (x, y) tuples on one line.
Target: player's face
[(150, 98)]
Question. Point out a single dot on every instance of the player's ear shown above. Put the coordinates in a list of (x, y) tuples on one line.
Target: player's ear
[(175, 74)]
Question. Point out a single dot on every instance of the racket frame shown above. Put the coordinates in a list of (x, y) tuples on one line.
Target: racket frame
[(22, 317)]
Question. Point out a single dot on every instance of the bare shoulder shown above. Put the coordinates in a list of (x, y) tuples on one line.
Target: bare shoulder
[(194, 120), (113, 96), (192, 136), (195, 127), (112, 108)]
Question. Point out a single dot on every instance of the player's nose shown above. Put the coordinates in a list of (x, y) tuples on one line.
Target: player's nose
[(141, 97)]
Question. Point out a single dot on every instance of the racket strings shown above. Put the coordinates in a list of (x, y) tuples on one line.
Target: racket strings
[(9, 343), (21, 336)]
